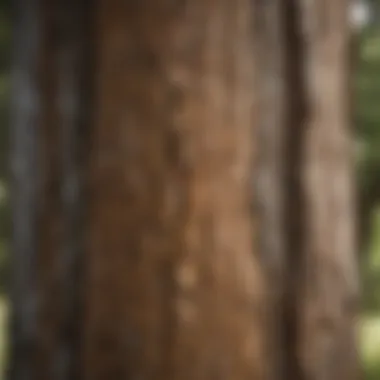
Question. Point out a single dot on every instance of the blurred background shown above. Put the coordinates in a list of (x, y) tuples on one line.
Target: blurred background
[(366, 52), (5, 34), (365, 22)]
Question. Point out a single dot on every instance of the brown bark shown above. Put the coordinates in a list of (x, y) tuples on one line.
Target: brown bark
[(329, 283), (269, 174), (174, 287), (49, 198), (306, 191), (218, 232)]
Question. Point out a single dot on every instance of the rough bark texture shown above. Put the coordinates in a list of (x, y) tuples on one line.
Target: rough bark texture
[(305, 188), (175, 291), (269, 174), (25, 180), (210, 234), (50, 116), (329, 285)]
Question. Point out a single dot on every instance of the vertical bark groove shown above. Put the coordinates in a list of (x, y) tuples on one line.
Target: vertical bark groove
[(51, 80), (25, 179), (74, 61), (268, 177), (294, 197)]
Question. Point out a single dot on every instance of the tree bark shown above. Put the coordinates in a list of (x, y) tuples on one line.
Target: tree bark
[(52, 93), (269, 196), (25, 109), (328, 292), (174, 285), (306, 190), (174, 216)]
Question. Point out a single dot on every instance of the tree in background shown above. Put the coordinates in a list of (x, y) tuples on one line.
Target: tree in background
[(182, 191)]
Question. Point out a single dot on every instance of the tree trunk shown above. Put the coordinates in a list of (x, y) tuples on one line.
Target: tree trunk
[(174, 216), (170, 228), (24, 181), (172, 285), (51, 98), (306, 190), (328, 288)]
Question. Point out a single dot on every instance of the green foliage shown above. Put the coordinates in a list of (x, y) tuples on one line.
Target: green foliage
[(367, 123), (367, 115), (371, 270), (370, 347)]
